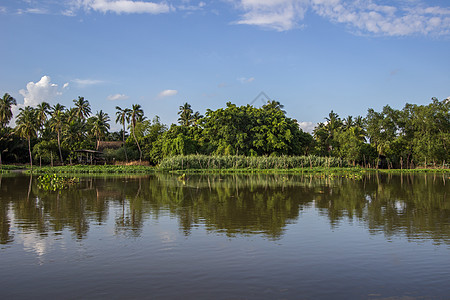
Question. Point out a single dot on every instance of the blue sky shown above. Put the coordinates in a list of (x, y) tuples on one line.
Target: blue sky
[(313, 56)]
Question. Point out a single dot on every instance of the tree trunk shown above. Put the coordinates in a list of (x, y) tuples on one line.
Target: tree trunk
[(140, 152), (29, 151), (124, 147), (59, 147)]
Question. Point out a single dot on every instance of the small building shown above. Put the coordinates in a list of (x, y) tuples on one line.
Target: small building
[(102, 146), (94, 157), (90, 157)]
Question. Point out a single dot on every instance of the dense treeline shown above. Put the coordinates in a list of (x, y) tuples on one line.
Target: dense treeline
[(415, 135)]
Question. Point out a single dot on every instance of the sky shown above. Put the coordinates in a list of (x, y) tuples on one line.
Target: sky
[(313, 56)]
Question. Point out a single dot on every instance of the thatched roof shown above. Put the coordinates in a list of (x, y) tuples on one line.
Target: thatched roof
[(101, 146)]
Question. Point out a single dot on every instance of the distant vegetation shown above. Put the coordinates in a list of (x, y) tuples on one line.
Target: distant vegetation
[(234, 136)]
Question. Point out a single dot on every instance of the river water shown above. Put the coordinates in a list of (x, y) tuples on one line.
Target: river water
[(226, 237)]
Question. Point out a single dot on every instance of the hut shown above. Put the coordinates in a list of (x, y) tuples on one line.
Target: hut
[(94, 157), (102, 146), (91, 157)]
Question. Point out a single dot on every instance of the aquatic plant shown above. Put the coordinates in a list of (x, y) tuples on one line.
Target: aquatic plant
[(53, 182), (98, 169)]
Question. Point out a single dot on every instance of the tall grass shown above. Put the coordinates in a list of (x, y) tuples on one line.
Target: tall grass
[(186, 162), (98, 169)]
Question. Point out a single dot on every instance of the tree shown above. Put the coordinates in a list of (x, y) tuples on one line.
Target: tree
[(276, 105), (122, 117), (27, 126), (57, 123), (5, 109), (42, 111), (186, 115), (136, 114), (99, 125), (325, 135), (82, 108)]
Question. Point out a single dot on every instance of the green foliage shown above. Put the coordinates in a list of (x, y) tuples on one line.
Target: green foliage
[(181, 162), (53, 182), (6, 103), (85, 169), (417, 135), (253, 131)]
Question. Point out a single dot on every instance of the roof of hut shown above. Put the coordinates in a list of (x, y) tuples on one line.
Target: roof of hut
[(101, 146)]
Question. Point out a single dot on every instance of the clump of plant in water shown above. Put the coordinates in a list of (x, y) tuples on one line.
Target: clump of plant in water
[(95, 169), (52, 182)]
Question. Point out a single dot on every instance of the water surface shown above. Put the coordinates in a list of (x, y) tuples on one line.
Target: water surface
[(227, 237)]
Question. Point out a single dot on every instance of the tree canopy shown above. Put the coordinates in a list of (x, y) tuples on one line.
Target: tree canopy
[(408, 137)]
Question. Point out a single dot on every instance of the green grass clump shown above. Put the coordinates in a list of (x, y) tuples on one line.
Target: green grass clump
[(95, 169), (201, 162)]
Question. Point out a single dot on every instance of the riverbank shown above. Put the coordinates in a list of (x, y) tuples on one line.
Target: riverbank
[(135, 169)]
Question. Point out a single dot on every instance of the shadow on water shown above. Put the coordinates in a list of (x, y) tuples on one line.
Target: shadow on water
[(414, 206)]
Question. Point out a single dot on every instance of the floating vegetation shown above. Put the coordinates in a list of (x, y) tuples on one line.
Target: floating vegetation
[(53, 182), (99, 169)]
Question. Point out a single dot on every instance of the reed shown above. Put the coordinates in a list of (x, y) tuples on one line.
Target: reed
[(201, 162)]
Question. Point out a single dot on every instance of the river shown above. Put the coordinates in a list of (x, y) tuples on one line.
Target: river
[(227, 237)]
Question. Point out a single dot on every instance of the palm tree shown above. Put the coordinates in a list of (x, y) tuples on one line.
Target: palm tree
[(196, 118), (348, 123), (274, 105), (122, 117), (5, 109), (57, 123), (185, 114), (82, 108), (27, 126), (136, 114), (42, 110), (99, 125)]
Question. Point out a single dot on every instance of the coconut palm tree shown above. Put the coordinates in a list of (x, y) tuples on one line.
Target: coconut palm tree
[(82, 108), (99, 125), (42, 111), (5, 109), (274, 105), (27, 126), (122, 117), (136, 114), (186, 114), (57, 123), (196, 118)]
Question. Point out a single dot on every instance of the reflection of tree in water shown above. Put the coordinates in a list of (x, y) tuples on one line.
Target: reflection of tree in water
[(411, 205), (416, 206)]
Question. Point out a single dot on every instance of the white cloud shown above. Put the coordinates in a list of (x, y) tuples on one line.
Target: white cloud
[(368, 17), (398, 19), (246, 80), (167, 93), (189, 7), (86, 82), (35, 93), (43, 90), (117, 97), (275, 14), (307, 126), (39, 11), (127, 6)]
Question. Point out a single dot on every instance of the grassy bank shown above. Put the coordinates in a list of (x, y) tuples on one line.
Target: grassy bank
[(227, 164), (88, 169)]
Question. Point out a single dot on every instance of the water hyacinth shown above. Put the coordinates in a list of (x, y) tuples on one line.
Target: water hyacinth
[(53, 182)]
